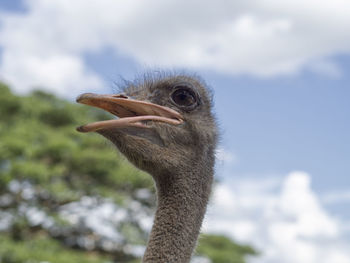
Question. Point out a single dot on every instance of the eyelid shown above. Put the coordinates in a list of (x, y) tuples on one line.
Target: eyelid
[(189, 89), (185, 86)]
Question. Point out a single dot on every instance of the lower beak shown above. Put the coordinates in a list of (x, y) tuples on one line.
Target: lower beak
[(130, 112)]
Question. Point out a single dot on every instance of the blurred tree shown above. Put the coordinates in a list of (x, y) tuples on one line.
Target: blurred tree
[(71, 198), (221, 249)]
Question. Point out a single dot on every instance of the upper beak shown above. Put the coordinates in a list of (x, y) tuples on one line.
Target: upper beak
[(130, 112)]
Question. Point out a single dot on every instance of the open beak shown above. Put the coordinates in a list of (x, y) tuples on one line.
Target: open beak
[(130, 112)]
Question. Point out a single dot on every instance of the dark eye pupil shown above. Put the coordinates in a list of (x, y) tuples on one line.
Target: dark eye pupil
[(183, 97)]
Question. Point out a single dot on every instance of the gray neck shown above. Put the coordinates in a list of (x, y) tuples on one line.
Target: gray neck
[(182, 201)]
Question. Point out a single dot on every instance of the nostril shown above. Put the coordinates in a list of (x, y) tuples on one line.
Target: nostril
[(123, 96)]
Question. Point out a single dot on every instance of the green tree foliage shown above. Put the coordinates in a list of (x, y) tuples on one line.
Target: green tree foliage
[(221, 249), (46, 165), (43, 249)]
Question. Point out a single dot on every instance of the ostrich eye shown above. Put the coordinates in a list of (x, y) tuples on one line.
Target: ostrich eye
[(184, 97)]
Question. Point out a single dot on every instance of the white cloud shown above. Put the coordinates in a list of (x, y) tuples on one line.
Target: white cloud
[(283, 218), (40, 49), (65, 74), (224, 156), (263, 38)]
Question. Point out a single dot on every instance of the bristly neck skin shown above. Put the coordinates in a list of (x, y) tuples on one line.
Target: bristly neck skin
[(182, 202)]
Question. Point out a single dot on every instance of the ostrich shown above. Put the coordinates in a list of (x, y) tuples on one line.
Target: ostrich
[(167, 129)]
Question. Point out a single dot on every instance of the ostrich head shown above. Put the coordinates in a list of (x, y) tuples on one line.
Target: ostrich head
[(165, 122), (166, 128)]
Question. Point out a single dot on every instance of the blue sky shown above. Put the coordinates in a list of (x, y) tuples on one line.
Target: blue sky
[(274, 125), (281, 78)]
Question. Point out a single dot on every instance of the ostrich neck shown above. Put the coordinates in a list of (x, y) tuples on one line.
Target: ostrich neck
[(182, 201)]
